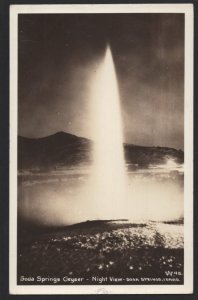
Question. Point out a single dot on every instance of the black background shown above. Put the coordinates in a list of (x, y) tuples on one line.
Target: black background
[(4, 154)]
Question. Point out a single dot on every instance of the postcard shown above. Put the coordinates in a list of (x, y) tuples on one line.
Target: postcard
[(101, 149)]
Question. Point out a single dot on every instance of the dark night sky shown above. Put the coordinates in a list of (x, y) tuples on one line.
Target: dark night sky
[(58, 55)]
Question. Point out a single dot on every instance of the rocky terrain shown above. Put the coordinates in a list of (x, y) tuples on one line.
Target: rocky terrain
[(104, 249)]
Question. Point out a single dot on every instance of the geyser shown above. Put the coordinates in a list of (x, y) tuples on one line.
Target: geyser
[(109, 192), (109, 178)]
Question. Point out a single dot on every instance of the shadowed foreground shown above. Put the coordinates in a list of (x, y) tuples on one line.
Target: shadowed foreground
[(103, 249)]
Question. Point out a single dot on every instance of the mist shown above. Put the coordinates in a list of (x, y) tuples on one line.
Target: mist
[(70, 200)]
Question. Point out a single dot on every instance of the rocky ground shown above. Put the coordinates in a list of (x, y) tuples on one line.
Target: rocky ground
[(104, 248)]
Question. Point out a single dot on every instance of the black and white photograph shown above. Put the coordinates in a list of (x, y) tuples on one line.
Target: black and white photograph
[(101, 149)]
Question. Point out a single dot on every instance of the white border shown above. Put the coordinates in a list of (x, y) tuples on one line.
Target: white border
[(187, 288)]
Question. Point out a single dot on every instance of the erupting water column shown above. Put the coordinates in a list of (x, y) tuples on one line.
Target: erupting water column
[(109, 178)]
